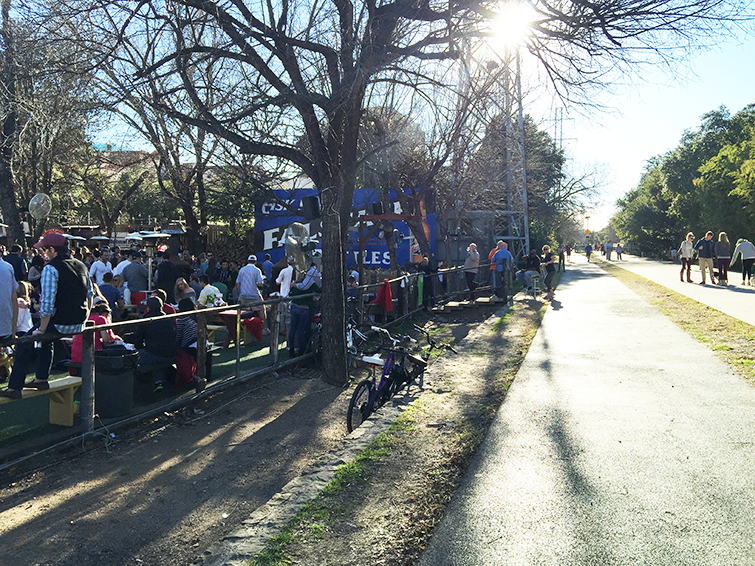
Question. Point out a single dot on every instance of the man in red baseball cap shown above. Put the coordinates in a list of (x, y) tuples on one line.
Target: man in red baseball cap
[(65, 302)]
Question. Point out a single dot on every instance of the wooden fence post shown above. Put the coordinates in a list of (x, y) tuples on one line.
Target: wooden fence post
[(274, 333), (87, 380), (201, 345)]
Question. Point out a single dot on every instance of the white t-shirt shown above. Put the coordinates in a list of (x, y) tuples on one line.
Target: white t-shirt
[(284, 280), (98, 270), (118, 270), (24, 316)]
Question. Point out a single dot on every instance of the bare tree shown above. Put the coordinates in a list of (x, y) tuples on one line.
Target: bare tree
[(307, 66)]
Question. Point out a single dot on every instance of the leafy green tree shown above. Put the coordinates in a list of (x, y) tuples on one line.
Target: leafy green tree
[(645, 216)]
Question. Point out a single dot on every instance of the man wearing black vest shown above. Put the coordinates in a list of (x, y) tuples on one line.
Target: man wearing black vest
[(65, 302)]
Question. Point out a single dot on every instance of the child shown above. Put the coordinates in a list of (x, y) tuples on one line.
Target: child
[(24, 307)]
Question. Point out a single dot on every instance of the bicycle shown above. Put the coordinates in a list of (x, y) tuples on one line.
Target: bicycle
[(371, 394), (360, 340)]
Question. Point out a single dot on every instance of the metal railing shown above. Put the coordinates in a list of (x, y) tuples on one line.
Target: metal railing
[(408, 299)]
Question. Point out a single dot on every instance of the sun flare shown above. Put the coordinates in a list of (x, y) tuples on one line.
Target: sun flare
[(512, 25)]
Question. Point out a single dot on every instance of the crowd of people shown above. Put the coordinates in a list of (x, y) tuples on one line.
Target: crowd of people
[(501, 262), (53, 290), (715, 254)]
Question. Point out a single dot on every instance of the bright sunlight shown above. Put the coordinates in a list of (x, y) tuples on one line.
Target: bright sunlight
[(512, 24)]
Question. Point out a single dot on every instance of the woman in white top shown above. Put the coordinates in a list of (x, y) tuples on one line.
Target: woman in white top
[(747, 251), (471, 265), (685, 253)]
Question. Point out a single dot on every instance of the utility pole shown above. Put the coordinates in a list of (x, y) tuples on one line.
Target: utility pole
[(513, 224)]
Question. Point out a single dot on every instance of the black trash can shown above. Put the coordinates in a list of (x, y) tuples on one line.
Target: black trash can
[(114, 382)]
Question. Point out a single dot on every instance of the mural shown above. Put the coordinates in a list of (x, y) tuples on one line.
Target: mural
[(272, 218)]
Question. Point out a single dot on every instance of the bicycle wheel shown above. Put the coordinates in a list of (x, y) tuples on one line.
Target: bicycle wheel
[(359, 406), (382, 396)]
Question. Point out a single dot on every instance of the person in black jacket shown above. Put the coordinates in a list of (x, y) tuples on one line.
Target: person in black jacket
[(705, 253), (156, 341), (167, 273)]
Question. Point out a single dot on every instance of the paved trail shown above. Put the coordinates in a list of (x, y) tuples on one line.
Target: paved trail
[(621, 442), (735, 300)]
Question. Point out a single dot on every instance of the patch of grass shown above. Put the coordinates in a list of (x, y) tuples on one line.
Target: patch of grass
[(722, 347), (421, 503), (499, 324), (314, 517)]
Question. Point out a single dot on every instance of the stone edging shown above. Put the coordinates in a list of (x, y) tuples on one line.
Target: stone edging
[(267, 521), (247, 541)]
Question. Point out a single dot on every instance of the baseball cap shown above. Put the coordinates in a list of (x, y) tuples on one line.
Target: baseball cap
[(51, 238), (252, 257)]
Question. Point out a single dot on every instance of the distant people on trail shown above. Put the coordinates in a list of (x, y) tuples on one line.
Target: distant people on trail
[(561, 257), (471, 266), (746, 249), (588, 252), (619, 250), (568, 252), (722, 251), (705, 252), (549, 261), (686, 250), (609, 249)]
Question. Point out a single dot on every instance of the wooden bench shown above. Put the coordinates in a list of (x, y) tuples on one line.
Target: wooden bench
[(213, 329), (61, 399)]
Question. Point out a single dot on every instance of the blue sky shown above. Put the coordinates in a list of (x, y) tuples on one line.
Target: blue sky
[(651, 117)]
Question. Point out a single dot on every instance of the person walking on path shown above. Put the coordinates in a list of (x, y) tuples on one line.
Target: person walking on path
[(747, 251), (686, 249), (588, 252), (471, 266), (619, 250), (561, 257), (722, 250), (550, 270), (705, 253)]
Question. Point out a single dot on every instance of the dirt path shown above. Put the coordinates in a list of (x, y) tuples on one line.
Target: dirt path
[(161, 493)]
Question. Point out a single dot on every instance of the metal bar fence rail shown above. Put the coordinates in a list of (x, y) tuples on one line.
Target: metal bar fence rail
[(87, 358), (409, 305)]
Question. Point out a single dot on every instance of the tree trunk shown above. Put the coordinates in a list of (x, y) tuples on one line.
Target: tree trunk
[(8, 202), (334, 296)]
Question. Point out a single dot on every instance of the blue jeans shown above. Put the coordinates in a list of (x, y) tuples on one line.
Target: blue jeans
[(500, 284), (24, 354), (298, 334), (525, 277)]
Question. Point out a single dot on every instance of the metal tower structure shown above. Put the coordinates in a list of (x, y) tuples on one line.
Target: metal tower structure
[(512, 222)]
